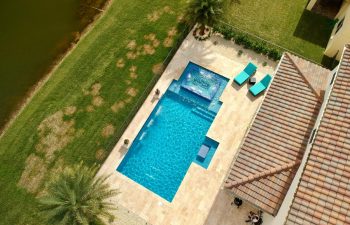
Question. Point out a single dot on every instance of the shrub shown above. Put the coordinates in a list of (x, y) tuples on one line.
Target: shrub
[(240, 52), (248, 42)]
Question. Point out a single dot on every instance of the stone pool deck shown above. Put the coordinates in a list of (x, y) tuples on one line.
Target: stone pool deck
[(199, 199)]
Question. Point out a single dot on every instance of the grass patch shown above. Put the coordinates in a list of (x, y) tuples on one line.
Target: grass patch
[(285, 23), (80, 112)]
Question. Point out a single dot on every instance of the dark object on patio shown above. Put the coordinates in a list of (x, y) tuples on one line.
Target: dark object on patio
[(259, 222), (252, 80), (203, 151), (255, 218), (157, 92), (237, 201), (126, 142)]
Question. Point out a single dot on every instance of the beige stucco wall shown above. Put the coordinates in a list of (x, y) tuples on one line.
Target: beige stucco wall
[(311, 4), (338, 40)]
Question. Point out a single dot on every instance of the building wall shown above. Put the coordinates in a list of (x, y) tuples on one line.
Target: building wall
[(338, 39)]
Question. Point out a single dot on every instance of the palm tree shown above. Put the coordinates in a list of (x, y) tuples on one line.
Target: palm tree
[(204, 12), (75, 197)]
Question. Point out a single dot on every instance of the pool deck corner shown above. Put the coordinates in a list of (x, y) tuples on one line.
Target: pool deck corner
[(197, 197)]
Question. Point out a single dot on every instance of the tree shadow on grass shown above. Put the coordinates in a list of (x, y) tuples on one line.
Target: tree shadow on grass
[(314, 28)]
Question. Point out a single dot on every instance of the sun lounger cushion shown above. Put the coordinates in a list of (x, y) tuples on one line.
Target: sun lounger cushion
[(243, 76), (261, 86)]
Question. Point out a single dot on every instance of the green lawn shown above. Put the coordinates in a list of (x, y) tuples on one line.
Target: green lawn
[(282, 22), (77, 115)]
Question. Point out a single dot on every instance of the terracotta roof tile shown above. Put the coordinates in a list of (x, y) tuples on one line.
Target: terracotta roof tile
[(269, 157), (329, 160)]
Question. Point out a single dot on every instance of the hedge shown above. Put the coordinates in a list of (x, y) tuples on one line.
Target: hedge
[(249, 42)]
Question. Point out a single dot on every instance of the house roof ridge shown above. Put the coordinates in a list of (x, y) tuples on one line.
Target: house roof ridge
[(303, 75), (263, 174)]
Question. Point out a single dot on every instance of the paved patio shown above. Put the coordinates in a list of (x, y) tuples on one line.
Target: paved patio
[(199, 199), (222, 213)]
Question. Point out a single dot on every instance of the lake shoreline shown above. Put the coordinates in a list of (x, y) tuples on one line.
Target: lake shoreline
[(51, 68)]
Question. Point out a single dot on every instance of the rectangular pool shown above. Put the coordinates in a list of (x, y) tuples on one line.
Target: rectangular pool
[(170, 139)]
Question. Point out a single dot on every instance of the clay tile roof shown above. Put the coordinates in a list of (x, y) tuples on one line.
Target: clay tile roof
[(316, 76), (271, 152), (324, 187)]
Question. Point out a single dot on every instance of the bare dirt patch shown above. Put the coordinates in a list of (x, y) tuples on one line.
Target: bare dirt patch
[(172, 32), (131, 45), (131, 92), (131, 55), (101, 154), (148, 49), (108, 131), (95, 89), (90, 108), (133, 75), (168, 42), (58, 167), (167, 9), (117, 106), (155, 43), (120, 63), (133, 68), (55, 133), (128, 100), (158, 68), (33, 174), (70, 110), (155, 15), (97, 101), (150, 36)]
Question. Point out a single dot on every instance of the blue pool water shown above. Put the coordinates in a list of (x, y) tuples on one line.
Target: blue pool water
[(170, 139)]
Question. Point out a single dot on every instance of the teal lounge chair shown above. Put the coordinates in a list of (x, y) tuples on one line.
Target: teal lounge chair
[(261, 86), (243, 76)]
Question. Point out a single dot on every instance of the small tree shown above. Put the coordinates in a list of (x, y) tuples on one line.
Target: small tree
[(205, 13), (75, 197)]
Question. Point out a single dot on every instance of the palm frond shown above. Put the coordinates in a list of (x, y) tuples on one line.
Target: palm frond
[(76, 197)]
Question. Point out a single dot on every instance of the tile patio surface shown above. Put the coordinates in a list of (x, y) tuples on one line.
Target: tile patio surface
[(194, 202)]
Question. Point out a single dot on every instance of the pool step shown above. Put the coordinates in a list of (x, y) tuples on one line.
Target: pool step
[(204, 113)]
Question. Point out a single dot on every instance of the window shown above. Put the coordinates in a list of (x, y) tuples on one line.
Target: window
[(339, 25)]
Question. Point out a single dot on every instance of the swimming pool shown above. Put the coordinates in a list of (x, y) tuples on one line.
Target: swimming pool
[(170, 139)]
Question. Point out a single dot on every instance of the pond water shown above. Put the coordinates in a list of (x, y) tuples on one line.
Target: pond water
[(33, 33)]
